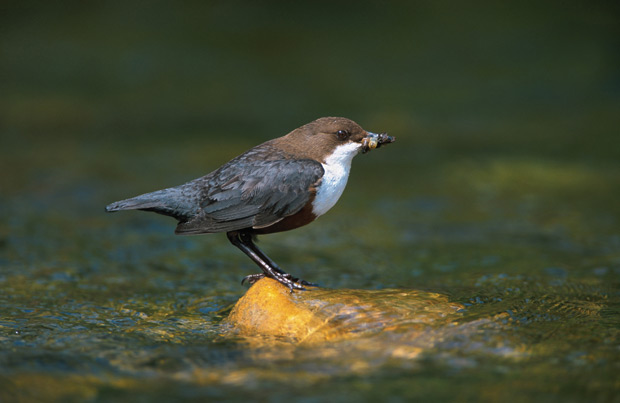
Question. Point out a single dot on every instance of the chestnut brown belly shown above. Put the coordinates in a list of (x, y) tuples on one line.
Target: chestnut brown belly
[(299, 219)]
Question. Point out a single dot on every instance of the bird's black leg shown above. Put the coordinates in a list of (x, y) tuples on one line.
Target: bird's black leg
[(273, 264), (276, 267), (243, 241)]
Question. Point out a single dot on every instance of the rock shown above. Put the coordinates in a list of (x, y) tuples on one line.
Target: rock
[(269, 309)]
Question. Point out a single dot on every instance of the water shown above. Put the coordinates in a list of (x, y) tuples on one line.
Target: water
[(499, 197)]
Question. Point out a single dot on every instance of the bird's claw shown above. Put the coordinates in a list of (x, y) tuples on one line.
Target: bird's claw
[(293, 283), (252, 278)]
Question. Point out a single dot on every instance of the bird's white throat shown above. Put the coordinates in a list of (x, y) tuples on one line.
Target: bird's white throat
[(337, 167)]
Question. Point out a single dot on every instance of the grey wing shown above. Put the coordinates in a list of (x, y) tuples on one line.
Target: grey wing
[(252, 194)]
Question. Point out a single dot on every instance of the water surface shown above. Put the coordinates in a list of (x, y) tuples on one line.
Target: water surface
[(500, 196)]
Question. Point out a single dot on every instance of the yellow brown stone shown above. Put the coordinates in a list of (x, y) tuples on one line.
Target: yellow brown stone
[(269, 309)]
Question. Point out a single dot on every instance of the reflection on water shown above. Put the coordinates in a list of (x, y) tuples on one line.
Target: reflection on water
[(495, 214)]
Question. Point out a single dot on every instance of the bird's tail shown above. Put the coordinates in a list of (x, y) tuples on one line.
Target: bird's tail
[(166, 201), (135, 203)]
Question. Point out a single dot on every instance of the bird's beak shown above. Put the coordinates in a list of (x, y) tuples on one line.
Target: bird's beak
[(374, 140)]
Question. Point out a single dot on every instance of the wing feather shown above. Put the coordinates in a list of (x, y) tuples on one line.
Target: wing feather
[(251, 194)]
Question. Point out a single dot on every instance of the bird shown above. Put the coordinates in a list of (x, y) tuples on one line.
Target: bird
[(279, 185)]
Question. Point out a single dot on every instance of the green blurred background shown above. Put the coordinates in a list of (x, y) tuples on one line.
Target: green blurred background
[(494, 76), (501, 192)]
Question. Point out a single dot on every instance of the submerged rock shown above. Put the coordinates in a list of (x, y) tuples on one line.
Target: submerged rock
[(269, 309)]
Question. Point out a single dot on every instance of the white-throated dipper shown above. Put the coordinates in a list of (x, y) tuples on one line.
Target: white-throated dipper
[(279, 185)]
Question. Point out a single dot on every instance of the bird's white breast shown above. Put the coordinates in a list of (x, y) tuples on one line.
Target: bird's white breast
[(337, 167)]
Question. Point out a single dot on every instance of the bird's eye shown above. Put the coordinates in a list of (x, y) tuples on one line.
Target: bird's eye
[(343, 134)]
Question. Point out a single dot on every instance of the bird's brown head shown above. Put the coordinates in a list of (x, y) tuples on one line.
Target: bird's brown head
[(323, 137)]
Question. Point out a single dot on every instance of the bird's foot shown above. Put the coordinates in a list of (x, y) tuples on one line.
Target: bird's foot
[(306, 283), (252, 278), (293, 283)]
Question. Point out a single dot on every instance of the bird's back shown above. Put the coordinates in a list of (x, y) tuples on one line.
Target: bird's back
[(255, 189)]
